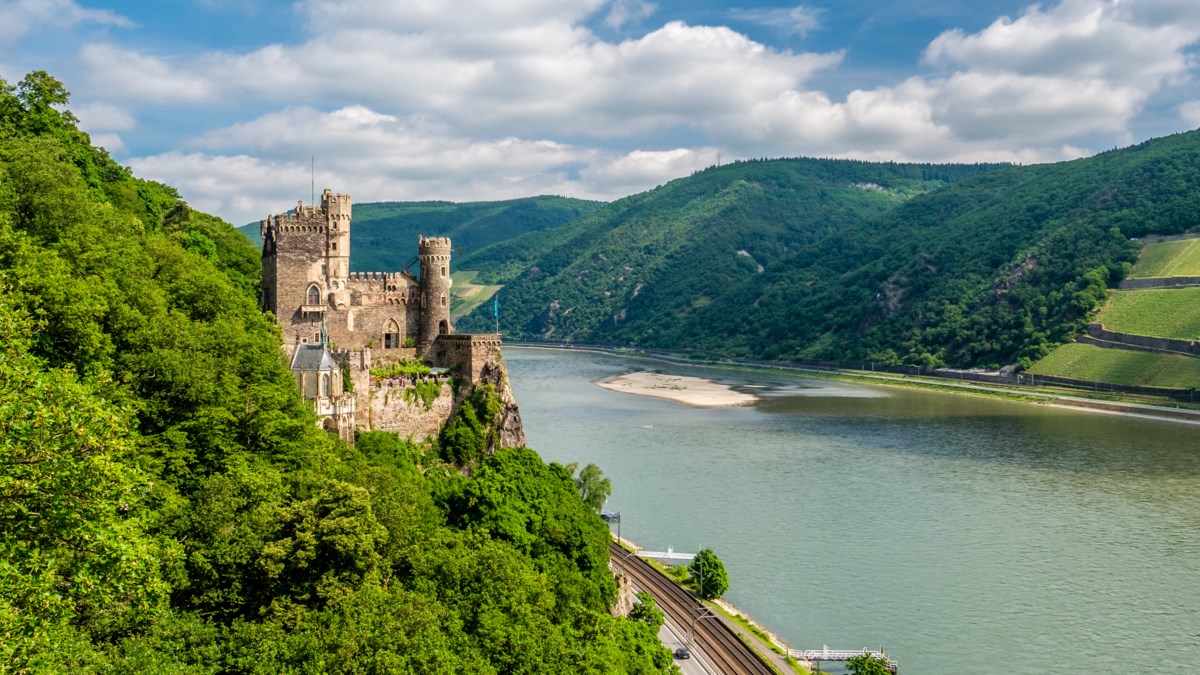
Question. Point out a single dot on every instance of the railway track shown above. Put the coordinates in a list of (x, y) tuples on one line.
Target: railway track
[(718, 642)]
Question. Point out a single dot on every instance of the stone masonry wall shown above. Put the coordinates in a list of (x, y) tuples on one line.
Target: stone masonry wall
[(297, 265), (390, 412), (469, 352), (1099, 332)]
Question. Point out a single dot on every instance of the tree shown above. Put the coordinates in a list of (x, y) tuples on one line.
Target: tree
[(708, 573), (866, 664), (593, 486), (647, 612)]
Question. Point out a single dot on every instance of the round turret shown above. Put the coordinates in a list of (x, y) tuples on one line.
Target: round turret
[(434, 254)]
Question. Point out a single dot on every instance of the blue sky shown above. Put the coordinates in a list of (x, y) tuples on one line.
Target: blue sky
[(487, 99)]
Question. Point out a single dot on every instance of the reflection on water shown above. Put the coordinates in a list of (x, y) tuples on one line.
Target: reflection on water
[(953, 530)]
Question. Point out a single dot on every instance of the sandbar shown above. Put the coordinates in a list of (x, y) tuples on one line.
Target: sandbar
[(693, 391)]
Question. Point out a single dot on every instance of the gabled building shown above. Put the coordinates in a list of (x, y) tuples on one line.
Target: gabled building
[(320, 380)]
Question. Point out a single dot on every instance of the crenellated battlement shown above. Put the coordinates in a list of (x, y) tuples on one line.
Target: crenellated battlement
[(374, 318), (433, 246), (333, 212), (377, 276)]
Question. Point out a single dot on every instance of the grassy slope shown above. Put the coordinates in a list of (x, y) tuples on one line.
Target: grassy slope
[(466, 295), (1170, 313), (1168, 259), (1088, 362)]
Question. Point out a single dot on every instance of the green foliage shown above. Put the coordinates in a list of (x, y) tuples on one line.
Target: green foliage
[(425, 391), (401, 368), (1167, 312), (514, 497), (594, 488), (961, 265), (1168, 259), (647, 611), (1088, 362), (73, 545), (347, 380), (866, 664), (470, 433), (707, 574), (167, 503)]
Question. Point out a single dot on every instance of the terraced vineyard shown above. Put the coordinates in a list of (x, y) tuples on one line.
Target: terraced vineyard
[(1169, 313), (1168, 259), (1154, 312), (466, 295), (1087, 362)]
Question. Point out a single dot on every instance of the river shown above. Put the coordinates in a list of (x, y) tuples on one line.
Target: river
[(964, 534)]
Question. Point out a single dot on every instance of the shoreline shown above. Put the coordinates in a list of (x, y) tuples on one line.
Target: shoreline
[(694, 391), (732, 610), (1158, 413)]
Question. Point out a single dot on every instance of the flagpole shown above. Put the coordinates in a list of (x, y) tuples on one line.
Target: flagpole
[(496, 312)]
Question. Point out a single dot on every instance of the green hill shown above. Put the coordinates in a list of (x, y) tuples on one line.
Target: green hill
[(1168, 259), (785, 259), (1168, 313), (168, 504), (1172, 313), (383, 235), (1120, 366)]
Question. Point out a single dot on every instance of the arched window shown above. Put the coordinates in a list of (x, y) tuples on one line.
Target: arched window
[(324, 392), (391, 335), (314, 296), (443, 328)]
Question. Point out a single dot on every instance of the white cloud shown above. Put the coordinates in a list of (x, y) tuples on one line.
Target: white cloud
[(103, 117), (491, 99), (1190, 112), (21, 17), (1090, 39), (799, 20), (641, 170), (125, 74), (625, 11), (110, 142)]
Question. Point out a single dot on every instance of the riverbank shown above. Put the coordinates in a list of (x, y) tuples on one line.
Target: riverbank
[(1168, 412), (759, 638), (693, 391)]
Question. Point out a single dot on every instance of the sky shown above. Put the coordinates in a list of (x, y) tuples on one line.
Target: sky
[(242, 104)]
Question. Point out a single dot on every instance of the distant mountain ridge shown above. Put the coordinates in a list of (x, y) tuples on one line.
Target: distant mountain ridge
[(806, 258), (382, 233)]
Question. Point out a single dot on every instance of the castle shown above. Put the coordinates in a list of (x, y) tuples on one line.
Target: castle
[(331, 317)]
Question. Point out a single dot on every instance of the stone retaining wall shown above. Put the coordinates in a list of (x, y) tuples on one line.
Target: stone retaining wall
[(1157, 344), (1158, 282)]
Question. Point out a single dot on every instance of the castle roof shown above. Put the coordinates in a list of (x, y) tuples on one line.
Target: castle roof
[(313, 357)]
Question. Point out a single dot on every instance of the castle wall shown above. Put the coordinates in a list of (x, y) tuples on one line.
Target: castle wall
[(310, 249), (390, 412), (469, 352), (296, 266)]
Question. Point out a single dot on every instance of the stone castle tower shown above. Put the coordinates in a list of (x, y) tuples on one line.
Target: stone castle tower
[(307, 278), (338, 324), (434, 254)]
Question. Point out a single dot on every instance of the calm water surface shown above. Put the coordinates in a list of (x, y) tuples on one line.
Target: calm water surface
[(964, 534)]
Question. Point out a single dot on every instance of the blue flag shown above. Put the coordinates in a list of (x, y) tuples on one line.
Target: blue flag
[(496, 307)]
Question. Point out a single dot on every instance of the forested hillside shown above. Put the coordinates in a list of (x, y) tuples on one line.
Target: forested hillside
[(791, 259), (167, 504), (383, 235)]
